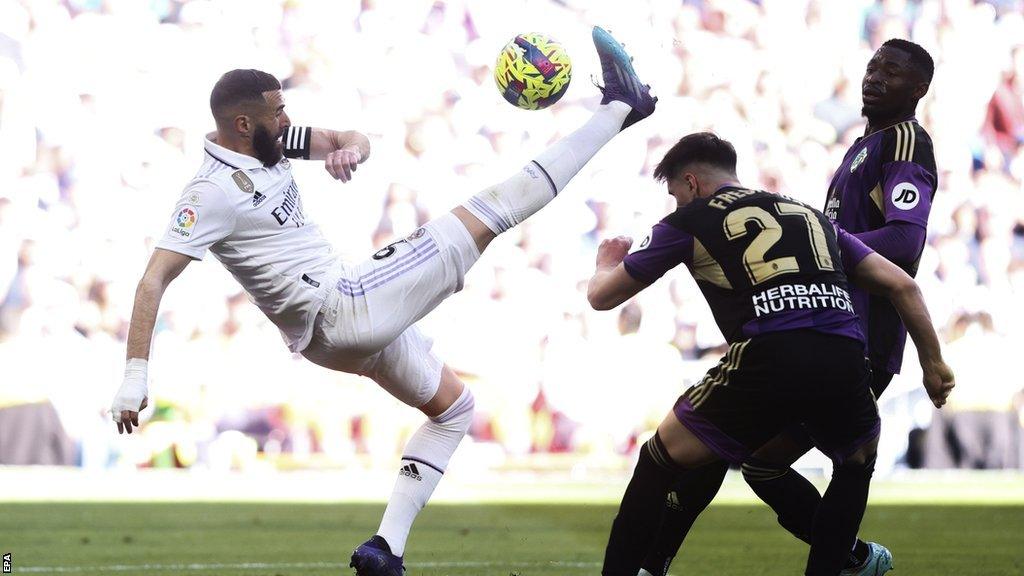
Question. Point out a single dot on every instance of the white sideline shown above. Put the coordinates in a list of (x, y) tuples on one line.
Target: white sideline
[(288, 565), (580, 484)]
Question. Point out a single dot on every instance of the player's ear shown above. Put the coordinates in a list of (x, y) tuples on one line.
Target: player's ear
[(243, 125), (920, 90)]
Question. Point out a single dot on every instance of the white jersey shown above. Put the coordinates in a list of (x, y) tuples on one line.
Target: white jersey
[(250, 217)]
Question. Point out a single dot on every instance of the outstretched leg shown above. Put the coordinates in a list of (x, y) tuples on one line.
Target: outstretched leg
[(423, 269), (626, 101)]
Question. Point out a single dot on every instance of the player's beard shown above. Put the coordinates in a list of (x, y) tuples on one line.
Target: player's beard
[(266, 146), (883, 110), (874, 112)]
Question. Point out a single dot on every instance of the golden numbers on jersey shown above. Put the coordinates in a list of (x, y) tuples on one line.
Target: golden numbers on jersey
[(819, 244), (760, 270)]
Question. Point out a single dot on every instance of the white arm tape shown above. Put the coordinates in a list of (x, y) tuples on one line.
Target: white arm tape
[(133, 389)]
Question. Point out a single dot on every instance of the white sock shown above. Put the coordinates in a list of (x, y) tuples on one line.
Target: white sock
[(416, 482), (425, 459), (516, 199)]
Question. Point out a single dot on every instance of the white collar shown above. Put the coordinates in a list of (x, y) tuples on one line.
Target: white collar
[(229, 157)]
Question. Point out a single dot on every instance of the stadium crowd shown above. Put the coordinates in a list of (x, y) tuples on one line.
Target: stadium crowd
[(104, 104)]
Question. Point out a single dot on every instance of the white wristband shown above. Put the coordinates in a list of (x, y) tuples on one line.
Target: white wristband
[(133, 389)]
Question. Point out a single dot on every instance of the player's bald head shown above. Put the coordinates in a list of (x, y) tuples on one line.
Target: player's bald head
[(238, 90)]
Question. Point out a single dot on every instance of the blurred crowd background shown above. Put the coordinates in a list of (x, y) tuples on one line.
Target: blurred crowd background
[(103, 109)]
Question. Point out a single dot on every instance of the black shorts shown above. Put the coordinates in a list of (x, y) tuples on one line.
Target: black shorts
[(880, 379), (769, 383)]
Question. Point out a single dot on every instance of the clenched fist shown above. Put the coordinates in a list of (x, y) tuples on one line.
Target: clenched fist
[(611, 251), (939, 382)]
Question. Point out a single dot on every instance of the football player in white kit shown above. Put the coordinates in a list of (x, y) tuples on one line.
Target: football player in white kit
[(245, 208)]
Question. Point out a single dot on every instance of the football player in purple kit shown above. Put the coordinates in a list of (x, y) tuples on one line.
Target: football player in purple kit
[(882, 194), (774, 272)]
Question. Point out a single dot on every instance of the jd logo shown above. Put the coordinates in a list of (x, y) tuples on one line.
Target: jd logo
[(905, 196)]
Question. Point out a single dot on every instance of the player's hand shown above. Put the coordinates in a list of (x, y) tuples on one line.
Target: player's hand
[(131, 398), (340, 164), (612, 251), (938, 381), (128, 418)]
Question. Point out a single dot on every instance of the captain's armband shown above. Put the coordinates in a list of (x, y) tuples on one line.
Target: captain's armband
[(297, 141)]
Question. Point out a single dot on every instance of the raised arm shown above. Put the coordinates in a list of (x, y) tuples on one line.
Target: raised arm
[(619, 276), (327, 141), (611, 285), (164, 266), (341, 151), (880, 276)]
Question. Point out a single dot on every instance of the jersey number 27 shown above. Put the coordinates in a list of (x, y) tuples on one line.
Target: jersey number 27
[(760, 270)]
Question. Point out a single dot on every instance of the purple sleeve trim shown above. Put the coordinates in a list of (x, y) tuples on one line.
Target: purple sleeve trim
[(638, 274), (908, 190), (851, 248), (900, 242), (664, 249)]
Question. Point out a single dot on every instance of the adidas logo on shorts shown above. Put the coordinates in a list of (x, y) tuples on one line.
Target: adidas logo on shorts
[(411, 471)]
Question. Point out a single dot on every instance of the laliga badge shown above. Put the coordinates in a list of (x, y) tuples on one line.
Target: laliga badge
[(185, 222)]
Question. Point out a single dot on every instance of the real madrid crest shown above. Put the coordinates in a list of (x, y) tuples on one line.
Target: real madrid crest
[(243, 181), (859, 159)]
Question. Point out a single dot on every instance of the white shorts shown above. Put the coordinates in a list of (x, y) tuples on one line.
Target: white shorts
[(366, 324)]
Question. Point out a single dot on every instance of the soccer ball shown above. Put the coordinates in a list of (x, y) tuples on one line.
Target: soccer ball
[(533, 71)]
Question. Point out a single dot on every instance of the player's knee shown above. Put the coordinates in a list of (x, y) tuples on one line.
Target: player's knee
[(459, 416), (755, 470), (859, 463), (656, 453), (507, 204)]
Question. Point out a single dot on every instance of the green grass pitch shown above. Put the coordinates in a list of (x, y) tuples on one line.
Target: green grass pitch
[(462, 540)]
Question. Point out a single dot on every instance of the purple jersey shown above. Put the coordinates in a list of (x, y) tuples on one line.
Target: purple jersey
[(887, 176), (765, 263)]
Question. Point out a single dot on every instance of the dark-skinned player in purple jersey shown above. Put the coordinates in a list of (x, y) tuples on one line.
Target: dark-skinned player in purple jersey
[(882, 194), (775, 274)]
